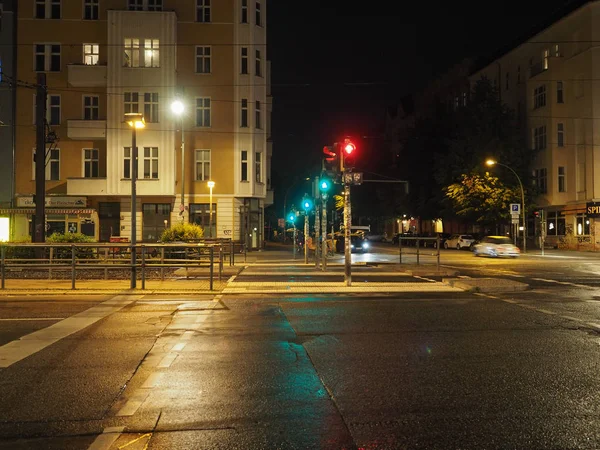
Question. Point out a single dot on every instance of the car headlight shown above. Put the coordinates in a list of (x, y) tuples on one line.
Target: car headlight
[(351, 245), (365, 245)]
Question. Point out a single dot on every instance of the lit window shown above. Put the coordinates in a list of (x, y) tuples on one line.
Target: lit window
[(132, 53), (151, 53), (91, 54)]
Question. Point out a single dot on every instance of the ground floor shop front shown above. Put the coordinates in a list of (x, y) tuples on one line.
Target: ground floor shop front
[(240, 219)]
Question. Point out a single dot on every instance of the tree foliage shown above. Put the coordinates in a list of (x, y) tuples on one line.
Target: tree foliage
[(183, 232)]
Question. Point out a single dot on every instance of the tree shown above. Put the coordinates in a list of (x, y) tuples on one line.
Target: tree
[(482, 198)]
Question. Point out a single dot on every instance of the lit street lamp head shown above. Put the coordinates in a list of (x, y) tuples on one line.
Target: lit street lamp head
[(135, 120), (490, 162), (177, 107), (210, 184)]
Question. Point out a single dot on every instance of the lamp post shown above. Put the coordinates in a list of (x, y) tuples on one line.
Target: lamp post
[(211, 185), (178, 109), (135, 121), (491, 162)]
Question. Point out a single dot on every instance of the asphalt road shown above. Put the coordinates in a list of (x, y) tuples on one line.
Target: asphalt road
[(441, 371)]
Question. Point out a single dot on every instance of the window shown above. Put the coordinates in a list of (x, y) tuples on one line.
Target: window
[(583, 225), (539, 138), (203, 11), (556, 51), (91, 110), (560, 135), (151, 107), (127, 162), (131, 102), (555, 223), (200, 215), (203, 112), (244, 11), (155, 5), (258, 64), (507, 81), (257, 115), (545, 57), (155, 218), (559, 92), (151, 53), (202, 165), (47, 58), (91, 163), (132, 53), (244, 117), (135, 5), (52, 165), (539, 96), (244, 67), (541, 180), (54, 109), (562, 174), (203, 55), (258, 166), (258, 15), (151, 163), (244, 165), (90, 10), (91, 54), (47, 9)]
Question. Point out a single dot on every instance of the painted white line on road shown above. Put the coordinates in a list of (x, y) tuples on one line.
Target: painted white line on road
[(187, 335), (480, 294), (545, 280), (571, 318), (507, 300), (32, 319), (545, 311), (152, 381), (134, 403), (179, 347), (108, 437), (231, 278), (424, 278), (167, 361), (34, 342), (464, 276), (515, 275), (593, 324)]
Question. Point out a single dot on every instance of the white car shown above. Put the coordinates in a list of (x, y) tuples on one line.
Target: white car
[(459, 241), (496, 246)]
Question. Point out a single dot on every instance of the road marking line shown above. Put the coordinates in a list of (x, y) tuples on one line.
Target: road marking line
[(231, 278), (515, 275), (593, 324), (545, 280), (545, 311), (187, 335), (464, 276), (152, 381), (134, 403), (32, 319), (34, 342), (143, 436), (108, 437), (480, 294), (571, 318), (179, 347), (167, 360), (509, 301), (424, 278)]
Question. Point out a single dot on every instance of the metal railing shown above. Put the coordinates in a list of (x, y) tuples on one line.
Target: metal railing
[(115, 256), (417, 240)]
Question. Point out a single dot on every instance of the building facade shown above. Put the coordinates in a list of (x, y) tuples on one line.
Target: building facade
[(106, 58), (7, 112), (552, 82)]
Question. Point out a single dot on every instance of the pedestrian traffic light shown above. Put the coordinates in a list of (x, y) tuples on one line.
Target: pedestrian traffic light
[(332, 157), (324, 185), (292, 217)]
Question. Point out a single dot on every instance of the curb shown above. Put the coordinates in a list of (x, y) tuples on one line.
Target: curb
[(486, 285)]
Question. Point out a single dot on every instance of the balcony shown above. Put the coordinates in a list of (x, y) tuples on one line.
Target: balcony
[(82, 75), (89, 130), (86, 186)]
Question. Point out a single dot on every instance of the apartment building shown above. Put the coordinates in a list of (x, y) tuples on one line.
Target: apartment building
[(552, 82), (7, 93), (106, 58)]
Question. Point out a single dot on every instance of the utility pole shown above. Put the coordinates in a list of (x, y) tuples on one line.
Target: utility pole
[(39, 233)]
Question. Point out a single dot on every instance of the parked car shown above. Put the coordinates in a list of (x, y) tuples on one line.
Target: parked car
[(433, 243), (459, 241), (496, 246)]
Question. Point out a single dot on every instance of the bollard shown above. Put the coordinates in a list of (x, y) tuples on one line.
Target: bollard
[(212, 259), (72, 266), (2, 263), (221, 262), (143, 268), (418, 245)]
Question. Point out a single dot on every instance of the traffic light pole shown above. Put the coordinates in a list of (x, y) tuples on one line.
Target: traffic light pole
[(306, 237), (324, 232), (317, 235), (347, 226), (294, 243)]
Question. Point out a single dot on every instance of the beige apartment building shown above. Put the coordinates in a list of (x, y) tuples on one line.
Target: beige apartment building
[(105, 58), (552, 81)]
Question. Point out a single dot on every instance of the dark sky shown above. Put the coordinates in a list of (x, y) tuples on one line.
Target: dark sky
[(337, 64)]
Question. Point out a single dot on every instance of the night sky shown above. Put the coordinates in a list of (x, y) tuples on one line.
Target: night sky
[(336, 65)]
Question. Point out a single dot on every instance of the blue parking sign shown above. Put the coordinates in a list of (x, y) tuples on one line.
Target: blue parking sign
[(515, 207)]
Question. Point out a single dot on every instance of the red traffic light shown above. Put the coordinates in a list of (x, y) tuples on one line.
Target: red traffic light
[(328, 151), (349, 147)]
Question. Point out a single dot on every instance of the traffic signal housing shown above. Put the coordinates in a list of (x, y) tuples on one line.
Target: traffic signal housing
[(307, 204), (324, 185), (332, 157), (349, 153), (291, 217)]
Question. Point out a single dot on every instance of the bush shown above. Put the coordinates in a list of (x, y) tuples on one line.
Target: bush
[(71, 238), (182, 232), (20, 252)]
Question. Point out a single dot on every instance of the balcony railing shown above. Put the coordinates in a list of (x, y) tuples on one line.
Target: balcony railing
[(86, 129), (82, 75)]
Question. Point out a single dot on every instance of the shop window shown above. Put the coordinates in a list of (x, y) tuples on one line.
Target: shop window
[(582, 227)]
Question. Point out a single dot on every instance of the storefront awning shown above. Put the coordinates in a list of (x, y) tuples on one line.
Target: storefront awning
[(72, 211)]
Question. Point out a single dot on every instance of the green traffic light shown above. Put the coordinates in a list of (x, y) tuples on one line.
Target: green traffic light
[(325, 185), (307, 204), (292, 217)]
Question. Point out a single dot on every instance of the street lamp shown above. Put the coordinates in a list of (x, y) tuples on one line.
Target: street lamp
[(178, 109), (211, 185), (135, 122), (491, 162)]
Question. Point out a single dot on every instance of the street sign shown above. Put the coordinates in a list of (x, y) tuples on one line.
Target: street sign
[(515, 221), (281, 223), (353, 177), (515, 209)]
